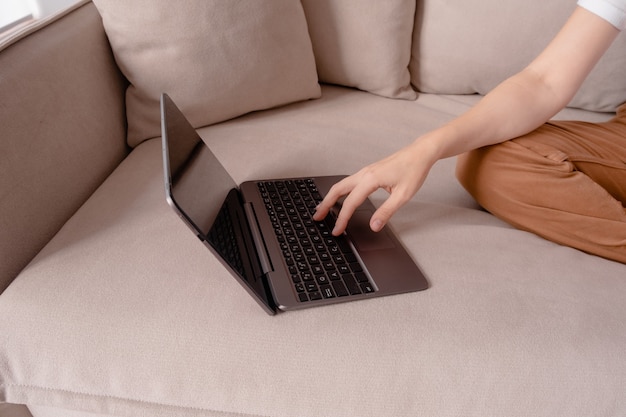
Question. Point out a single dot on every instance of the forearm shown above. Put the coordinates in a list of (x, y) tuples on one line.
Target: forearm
[(517, 106), (528, 99)]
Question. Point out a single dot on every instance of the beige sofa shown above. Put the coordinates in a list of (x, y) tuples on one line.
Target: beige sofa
[(111, 307)]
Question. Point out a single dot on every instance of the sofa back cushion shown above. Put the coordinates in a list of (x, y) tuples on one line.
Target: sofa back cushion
[(470, 46), (216, 59), (63, 128), (364, 44)]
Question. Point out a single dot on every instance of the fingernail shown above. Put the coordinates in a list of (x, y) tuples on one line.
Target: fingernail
[(377, 225)]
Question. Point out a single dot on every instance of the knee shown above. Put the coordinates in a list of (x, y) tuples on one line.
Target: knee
[(479, 171), (497, 177)]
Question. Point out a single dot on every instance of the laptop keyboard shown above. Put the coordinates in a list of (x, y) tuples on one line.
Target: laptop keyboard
[(321, 265), (222, 237)]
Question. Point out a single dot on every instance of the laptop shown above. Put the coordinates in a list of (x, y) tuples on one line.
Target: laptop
[(263, 233)]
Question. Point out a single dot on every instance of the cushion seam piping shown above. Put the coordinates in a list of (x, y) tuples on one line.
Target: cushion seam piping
[(85, 394)]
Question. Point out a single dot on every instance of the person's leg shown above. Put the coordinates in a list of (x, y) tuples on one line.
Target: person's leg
[(566, 182)]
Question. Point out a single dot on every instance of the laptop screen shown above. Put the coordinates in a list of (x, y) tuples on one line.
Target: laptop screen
[(195, 180)]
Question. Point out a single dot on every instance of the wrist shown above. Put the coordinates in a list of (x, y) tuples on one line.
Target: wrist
[(433, 145)]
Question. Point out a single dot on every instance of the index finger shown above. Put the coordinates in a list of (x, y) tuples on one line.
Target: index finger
[(355, 198), (337, 191)]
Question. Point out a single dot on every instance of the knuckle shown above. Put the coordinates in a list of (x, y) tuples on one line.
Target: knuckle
[(369, 175)]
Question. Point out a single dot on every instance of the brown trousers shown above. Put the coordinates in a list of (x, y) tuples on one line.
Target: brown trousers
[(566, 182)]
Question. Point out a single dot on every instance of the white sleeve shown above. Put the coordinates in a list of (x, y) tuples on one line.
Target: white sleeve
[(613, 11)]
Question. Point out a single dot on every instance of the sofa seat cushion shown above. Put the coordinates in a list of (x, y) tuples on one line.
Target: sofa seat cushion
[(126, 313), (217, 59)]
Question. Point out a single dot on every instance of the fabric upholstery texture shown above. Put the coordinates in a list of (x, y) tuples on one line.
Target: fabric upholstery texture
[(364, 44), (139, 319), (458, 48), (46, 411), (12, 410), (56, 153), (124, 313), (217, 59)]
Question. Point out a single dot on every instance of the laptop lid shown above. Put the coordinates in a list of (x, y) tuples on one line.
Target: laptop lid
[(206, 198)]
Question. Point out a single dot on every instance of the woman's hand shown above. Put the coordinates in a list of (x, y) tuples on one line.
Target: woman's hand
[(401, 175)]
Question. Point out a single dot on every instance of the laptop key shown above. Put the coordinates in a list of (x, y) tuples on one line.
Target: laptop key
[(361, 277), (327, 292), (344, 246), (356, 267), (367, 288), (321, 279), (329, 266), (340, 289), (353, 286), (315, 296)]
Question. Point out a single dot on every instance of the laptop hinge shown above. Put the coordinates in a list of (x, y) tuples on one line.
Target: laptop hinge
[(259, 243)]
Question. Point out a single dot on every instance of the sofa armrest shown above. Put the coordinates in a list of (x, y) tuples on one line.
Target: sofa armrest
[(14, 410), (63, 128)]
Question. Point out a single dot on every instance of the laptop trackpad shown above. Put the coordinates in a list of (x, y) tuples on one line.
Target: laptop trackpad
[(363, 237)]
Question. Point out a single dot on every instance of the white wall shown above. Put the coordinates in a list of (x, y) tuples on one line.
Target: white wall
[(11, 11), (42, 8), (14, 10)]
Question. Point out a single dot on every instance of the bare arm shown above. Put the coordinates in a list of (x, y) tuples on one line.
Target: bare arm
[(528, 99), (517, 106)]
